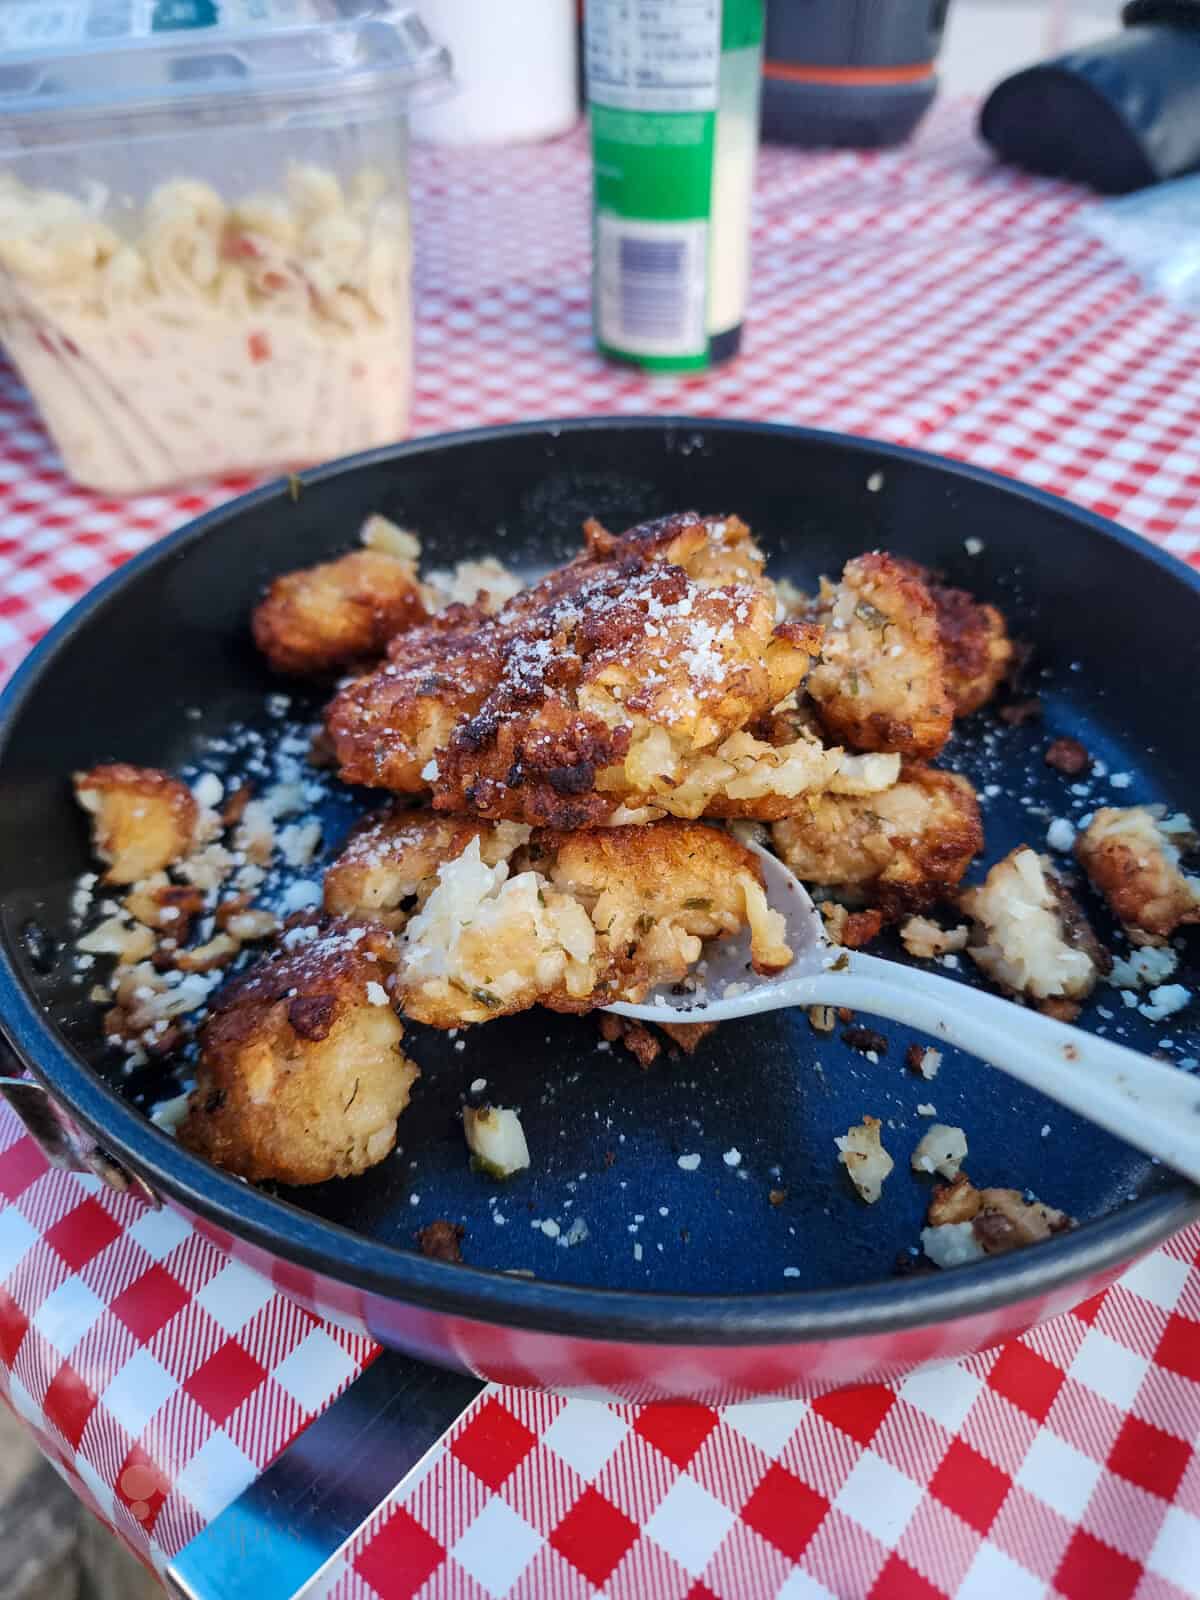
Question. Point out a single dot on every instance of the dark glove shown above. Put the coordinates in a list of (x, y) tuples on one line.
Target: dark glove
[(1117, 115)]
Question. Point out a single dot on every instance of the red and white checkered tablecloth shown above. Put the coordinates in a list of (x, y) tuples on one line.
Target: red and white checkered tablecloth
[(921, 296)]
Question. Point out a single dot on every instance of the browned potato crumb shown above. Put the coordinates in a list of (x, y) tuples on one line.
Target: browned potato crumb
[(688, 1035), (853, 929), (337, 614), (881, 680), (1067, 756), (301, 1074), (1006, 1220), (219, 951), (643, 1042), (635, 1036), (143, 819), (158, 903), (1132, 855), (441, 1240), (954, 1202)]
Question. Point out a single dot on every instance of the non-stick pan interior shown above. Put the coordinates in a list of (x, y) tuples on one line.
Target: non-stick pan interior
[(163, 663)]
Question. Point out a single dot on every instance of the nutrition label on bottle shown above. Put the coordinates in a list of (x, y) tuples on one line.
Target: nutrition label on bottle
[(654, 55)]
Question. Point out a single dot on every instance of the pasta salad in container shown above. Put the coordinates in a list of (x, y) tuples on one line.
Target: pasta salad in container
[(205, 253)]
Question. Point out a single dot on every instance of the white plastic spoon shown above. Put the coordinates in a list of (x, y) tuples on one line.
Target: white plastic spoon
[(1150, 1105)]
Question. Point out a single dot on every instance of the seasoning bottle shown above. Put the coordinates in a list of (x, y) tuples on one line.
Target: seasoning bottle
[(673, 92)]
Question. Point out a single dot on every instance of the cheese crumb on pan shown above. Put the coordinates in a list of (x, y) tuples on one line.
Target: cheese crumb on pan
[(927, 940), (942, 1150)]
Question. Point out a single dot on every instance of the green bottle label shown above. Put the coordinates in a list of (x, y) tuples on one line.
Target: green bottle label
[(655, 90)]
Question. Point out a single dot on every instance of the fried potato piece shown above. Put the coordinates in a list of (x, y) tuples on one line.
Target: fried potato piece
[(143, 819), (594, 692), (1030, 935), (337, 614), (608, 699), (900, 850), (1132, 855), (657, 890), (301, 1074), (975, 642), (576, 919), (881, 680), (1001, 1219), (861, 1152), (389, 864)]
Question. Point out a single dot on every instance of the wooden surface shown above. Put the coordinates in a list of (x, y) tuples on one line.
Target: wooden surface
[(50, 1547)]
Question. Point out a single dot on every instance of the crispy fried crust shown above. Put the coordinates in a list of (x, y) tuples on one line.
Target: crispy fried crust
[(711, 550), (586, 691), (976, 646), (388, 726), (576, 919), (338, 614), (631, 657), (301, 1074), (143, 819), (975, 642), (1135, 866), (881, 681), (900, 850)]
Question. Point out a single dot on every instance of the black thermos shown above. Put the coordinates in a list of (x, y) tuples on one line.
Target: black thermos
[(849, 72)]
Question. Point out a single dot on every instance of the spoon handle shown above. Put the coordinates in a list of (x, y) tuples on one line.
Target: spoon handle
[(1149, 1104)]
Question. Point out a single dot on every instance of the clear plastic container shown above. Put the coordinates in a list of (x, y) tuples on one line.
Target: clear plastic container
[(204, 229)]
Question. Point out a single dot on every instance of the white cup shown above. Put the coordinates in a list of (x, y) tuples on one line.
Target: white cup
[(515, 67)]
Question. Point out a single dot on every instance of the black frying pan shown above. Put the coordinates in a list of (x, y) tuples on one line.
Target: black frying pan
[(1115, 623)]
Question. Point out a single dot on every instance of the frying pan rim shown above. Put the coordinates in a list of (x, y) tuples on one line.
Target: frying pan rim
[(637, 1316)]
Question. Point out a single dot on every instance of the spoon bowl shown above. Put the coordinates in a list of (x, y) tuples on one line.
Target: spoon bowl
[(1152, 1106)]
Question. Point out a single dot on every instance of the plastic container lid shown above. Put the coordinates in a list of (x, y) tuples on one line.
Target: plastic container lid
[(90, 68)]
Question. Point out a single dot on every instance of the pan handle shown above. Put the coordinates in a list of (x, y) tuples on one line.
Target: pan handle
[(285, 1529), (61, 1140)]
